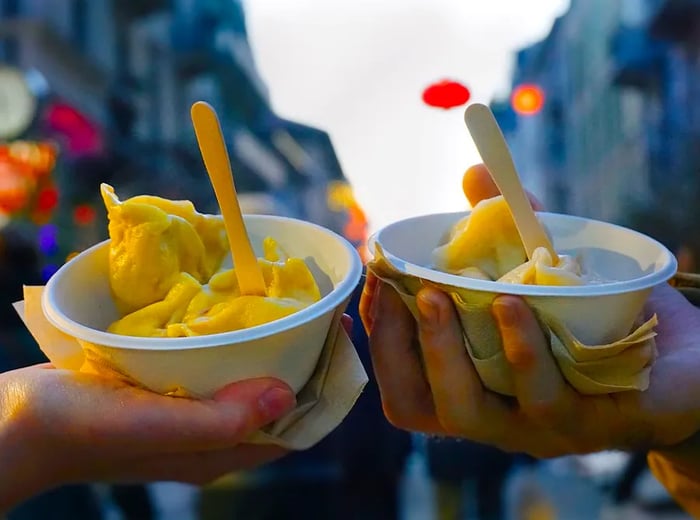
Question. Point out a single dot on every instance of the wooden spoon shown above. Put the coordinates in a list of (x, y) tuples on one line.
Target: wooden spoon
[(216, 160), (494, 152)]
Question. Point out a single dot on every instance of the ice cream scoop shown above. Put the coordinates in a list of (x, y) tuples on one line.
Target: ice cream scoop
[(193, 309), (153, 241), (493, 148), (486, 245), (165, 277)]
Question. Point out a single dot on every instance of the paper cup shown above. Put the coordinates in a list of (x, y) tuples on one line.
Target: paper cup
[(595, 314), (590, 327), (77, 301)]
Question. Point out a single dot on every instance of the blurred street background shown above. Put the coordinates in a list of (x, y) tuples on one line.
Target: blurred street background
[(336, 112)]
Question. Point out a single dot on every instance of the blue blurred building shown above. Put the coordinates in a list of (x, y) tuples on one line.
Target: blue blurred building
[(126, 72), (620, 120), (132, 69)]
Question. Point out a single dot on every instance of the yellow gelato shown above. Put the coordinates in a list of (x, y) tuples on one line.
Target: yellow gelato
[(165, 272), (486, 245), (153, 241)]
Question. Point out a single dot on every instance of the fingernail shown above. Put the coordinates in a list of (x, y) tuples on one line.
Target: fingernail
[(428, 308), (506, 313), (276, 401)]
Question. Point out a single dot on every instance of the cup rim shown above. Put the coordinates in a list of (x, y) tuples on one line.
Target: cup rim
[(341, 291), (663, 274)]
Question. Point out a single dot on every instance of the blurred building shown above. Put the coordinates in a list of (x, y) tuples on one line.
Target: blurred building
[(582, 149), (676, 126), (112, 83), (115, 80), (620, 119)]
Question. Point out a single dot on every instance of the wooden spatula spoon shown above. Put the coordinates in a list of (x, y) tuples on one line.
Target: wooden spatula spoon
[(216, 160), (494, 152)]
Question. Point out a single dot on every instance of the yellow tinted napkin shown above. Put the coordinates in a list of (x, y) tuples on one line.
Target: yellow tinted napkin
[(591, 369)]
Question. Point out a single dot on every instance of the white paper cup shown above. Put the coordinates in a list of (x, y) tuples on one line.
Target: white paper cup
[(77, 301), (596, 314)]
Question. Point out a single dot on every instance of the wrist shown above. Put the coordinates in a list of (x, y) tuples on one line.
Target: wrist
[(24, 471)]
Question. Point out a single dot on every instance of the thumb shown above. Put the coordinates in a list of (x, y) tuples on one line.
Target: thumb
[(271, 398), (478, 185)]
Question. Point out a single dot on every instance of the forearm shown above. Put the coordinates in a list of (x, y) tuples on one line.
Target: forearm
[(18, 482)]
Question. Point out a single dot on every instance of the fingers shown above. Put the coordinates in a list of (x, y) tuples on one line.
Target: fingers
[(256, 402), (235, 412), (541, 391), (478, 185), (405, 393), (366, 298), (146, 422), (462, 405)]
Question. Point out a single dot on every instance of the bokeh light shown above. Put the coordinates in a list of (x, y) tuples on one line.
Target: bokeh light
[(48, 271), (48, 239), (527, 100), (446, 94), (47, 199), (14, 187), (82, 136), (84, 214)]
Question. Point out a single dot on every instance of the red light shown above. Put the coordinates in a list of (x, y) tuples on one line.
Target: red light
[(82, 136), (446, 94), (47, 200), (63, 116), (527, 100), (84, 214)]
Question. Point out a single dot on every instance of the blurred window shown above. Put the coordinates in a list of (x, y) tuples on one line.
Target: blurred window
[(634, 12), (9, 47), (556, 141), (79, 20), (10, 7), (258, 157)]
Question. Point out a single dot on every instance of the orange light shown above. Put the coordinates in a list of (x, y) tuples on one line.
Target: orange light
[(39, 157), (14, 188), (340, 198), (527, 100)]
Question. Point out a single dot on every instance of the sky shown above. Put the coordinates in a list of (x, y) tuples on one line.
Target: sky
[(357, 69)]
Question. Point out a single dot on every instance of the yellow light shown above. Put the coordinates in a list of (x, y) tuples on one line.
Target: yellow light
[(339, 196)]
